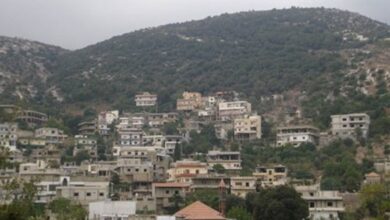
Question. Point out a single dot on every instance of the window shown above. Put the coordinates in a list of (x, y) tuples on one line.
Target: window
[(311, 204), (330, 204), (311, 194), (101, 194), (167, 192), (88, 194), (75, 194), (247, 184)]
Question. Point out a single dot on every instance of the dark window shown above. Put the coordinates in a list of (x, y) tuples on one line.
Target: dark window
[(75, 194), (88, 194), (311, 205), (330, 204)]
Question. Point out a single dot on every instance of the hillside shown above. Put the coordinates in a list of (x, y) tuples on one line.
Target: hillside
[(25, 67), (303, 54)]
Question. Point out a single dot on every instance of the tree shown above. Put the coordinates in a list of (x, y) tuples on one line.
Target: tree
[(279, 203), (81, 156), (65, 209), (375, 200), (239, 213), (177, 153), (219, 169)]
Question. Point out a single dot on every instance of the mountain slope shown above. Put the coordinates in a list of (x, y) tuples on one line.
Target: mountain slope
[(25, 67), (255, 53)]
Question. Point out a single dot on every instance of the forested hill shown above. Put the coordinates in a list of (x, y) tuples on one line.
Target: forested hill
[(256, 53)]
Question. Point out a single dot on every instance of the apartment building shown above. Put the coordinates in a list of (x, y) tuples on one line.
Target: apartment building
[(228, 111), (38, 170), (242, 185), (209, 182), (230, 160), (49, 153), (247, 128), (145, 99), (184, 170), (51, 135), (322, 204), (296, 135), (273, 175), (346, 126), (8, 135), (88, 127), (156, 120), (189, 101)]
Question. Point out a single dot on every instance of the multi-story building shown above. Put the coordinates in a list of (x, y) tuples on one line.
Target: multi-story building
[(247, 128), (230, 160), (32, 141), (228, 111), (85, 143), (348, 125), (51, 135), (49, 153), (189, 102), (166, 194), (183, 171), (130, 137), (145, 99), (105, 119), (242, 185), (209, 182), (296, 135), (113, 210), (8, 135), (38, 170), (322, 204), (87, 127), (270, 175), (156, 120), (32, 118)]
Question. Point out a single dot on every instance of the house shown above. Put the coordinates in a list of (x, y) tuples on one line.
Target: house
[(242, 185), (296, 135), (85, 143), (8, 135), (130, 137), (166, 193), (145, 99), (189, 102), (268, 176), (347, 126), (372, 178), (322, 204), (382, 166), (230, 160), (228, 111), (184, 170), (38, 170), (51, 135), (247, 128), (209, 182), (199, 211)]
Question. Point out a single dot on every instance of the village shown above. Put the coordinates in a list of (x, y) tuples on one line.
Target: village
[(143, 172)]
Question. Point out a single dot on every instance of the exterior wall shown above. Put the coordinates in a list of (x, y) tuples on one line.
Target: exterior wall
[(189, 102), (271, 176), (145, 99), (8, 135), (229, 160), (231, 110), (183, 171), (166, 192), (247, 128), (297, 135), (51, 135), (346, 125), (113, 209), (241, 186)]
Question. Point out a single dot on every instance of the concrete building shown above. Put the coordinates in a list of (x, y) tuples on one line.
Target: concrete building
[(85, 143), (247, 128), (8, 135), (322, 204), (228, 111), (382, 166), (296, 135), (268, 176), (242, 185), (88, 127), (189, 102), (346, 126), (51, 135), (184, 170), (165, 194), (209, 182), (372, 178), (230, 160), (130, 137), (113, 210), (32, 118), (145, 99)]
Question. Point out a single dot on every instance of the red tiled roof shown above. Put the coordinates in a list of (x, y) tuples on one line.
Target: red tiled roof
[(171, 184), (199, 211)]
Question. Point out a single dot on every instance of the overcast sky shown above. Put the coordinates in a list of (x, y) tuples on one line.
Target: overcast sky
[(74, 24)]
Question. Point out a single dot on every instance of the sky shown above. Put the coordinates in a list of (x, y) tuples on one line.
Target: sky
[(73, 24)]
